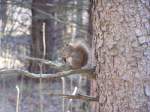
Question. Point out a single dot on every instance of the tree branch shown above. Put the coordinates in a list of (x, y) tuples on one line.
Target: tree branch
[(77, 96), (64, 69), (56, 65), (84, 72)]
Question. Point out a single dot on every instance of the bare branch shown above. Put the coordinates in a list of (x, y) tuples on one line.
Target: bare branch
[(18, 98), (86, 72), (77, 96), (56, 65), (62, 67)]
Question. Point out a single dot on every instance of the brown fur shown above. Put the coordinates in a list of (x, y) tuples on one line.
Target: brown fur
[(75, 55)]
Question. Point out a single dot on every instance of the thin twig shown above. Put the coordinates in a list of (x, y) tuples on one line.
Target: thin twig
[(70, 100), (18, 96), (41, 71), (40, 89), (77, 96), (44, 41), (63, 92)]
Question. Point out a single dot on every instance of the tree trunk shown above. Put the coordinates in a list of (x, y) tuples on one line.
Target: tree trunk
[(121, 34), (3, 17), (38, 18)]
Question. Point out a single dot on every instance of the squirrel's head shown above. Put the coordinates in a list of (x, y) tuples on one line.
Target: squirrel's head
[(66, 51)]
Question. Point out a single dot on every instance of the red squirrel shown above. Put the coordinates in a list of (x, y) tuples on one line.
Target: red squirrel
[(75, 54)]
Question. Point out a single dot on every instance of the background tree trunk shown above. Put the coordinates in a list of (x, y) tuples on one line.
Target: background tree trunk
[(121, 32), (3, 17), (37, 33), (52, 34)]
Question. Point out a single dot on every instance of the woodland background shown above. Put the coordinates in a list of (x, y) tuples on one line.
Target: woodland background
[(117, 31), (22, 26)]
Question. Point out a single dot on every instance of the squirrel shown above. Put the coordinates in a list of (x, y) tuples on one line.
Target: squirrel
[(75, 54)]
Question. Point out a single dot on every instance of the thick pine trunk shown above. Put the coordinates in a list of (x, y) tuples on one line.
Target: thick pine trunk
[(121, 33)]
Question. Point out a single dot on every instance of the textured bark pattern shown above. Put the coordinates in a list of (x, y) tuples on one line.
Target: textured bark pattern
[(121, 32)]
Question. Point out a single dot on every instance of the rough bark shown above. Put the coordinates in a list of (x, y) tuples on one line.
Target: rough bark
[(121, 32)]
